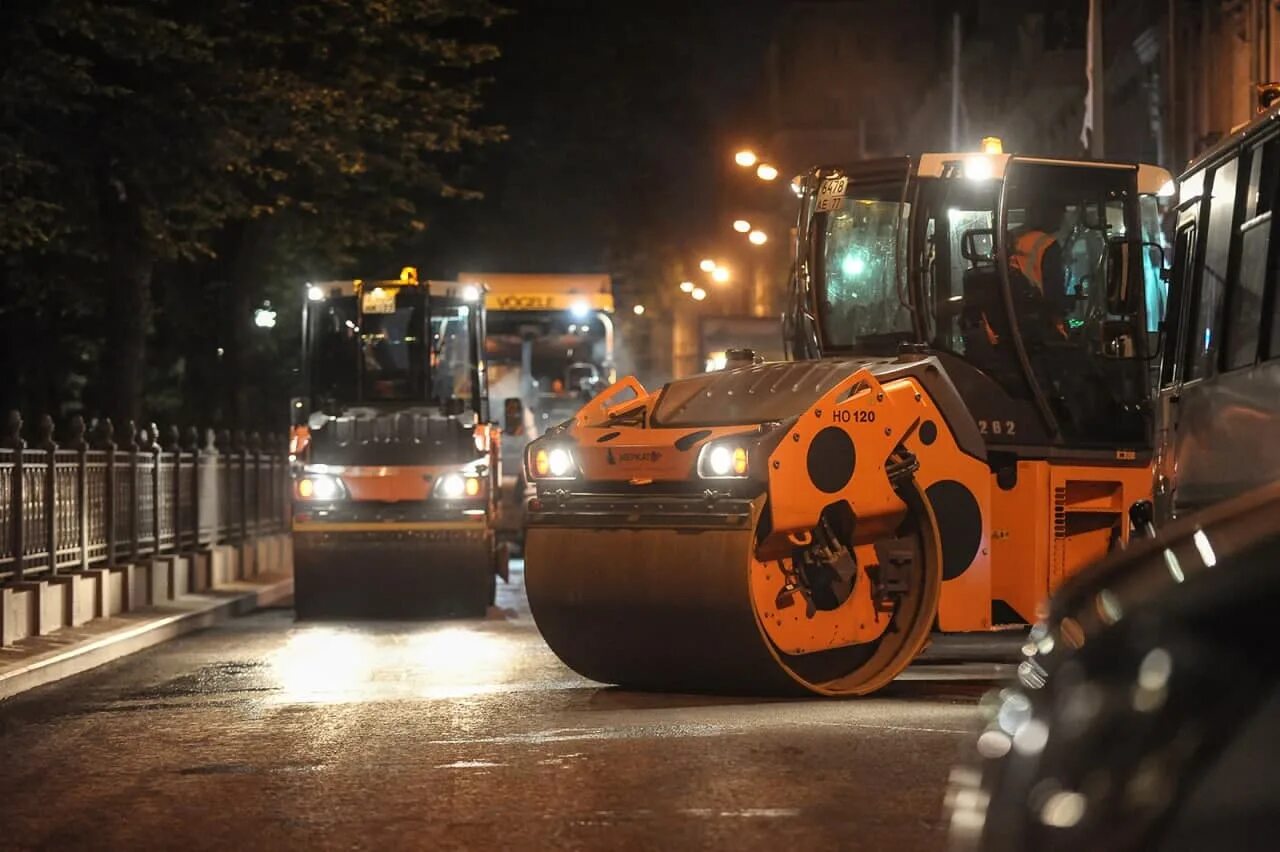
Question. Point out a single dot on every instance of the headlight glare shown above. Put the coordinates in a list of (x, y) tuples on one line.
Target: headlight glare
[(320, 486), (552, 463), (720, 460), (723, 460), (559, 461), (456, 486)]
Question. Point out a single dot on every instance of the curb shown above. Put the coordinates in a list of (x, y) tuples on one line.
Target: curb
[(197, 613)]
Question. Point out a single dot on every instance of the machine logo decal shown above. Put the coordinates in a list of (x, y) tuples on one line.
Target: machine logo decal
[(624, 457), (861, 415), (507, 303)]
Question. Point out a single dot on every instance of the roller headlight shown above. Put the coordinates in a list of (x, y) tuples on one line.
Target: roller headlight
[(552, 463), (455, 486), (723, 460), (319, 486)]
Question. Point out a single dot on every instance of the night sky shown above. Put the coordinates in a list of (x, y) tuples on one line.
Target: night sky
[(619, 116)]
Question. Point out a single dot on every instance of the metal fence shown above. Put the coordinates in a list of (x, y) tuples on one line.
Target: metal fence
[(65, 508)]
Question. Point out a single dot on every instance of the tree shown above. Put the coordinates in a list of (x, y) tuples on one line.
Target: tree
[(160, 145)]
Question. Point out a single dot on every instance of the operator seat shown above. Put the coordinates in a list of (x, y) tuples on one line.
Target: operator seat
[(984, 325)]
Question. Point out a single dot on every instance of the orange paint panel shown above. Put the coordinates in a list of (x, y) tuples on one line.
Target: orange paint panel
[(391, 484), (965, 603), (790, 628), (642, 453), (1020, 539), (1056, 520), (873, 424), (619, 396), (1091, 505)]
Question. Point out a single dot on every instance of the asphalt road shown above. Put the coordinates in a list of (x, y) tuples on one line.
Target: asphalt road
[(266, 734)]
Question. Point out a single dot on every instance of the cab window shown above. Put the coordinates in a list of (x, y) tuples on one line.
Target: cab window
[(1245, 301), (1087, 362), (863, 271), (1157, 291), (1204, 319), (1184, 247)]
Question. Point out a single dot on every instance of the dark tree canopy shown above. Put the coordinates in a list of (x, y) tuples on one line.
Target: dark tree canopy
[(162, 161)]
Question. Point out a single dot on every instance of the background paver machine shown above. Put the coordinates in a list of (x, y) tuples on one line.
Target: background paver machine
[(965, 422), (397, 466)]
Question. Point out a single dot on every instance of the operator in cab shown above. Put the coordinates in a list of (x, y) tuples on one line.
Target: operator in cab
[(1037, 268)]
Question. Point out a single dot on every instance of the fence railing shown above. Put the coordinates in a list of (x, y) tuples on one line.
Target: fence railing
[(93, 500)]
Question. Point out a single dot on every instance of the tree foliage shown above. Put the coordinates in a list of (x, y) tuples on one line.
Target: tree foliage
[(166, 165)]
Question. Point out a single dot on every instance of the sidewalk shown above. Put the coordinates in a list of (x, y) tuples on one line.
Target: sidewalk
[(38, 660)]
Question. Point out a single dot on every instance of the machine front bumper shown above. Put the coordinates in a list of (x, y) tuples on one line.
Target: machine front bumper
[(393, 569), (656, 511)]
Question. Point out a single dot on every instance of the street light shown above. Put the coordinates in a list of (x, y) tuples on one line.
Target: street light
[(265, 316), (720, 275), (758, 238), (742, 226), (745, 158), (766, 172), (698, 294), (638, 310), (686, 286), (707, 265)]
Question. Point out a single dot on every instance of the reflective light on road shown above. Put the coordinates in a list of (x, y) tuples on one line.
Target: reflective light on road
[(458, 661), (323, 665), (330, 665)]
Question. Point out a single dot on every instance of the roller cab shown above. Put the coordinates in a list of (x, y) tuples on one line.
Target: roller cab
[(805, 526), (397, 471)]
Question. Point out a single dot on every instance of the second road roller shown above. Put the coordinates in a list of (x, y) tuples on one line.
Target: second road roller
[(964, 422)]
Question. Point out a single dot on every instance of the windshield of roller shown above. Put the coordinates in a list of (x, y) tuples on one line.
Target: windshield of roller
[(387, 350), (860, 270)]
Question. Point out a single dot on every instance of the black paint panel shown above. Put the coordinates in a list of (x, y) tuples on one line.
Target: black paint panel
[(959, 525), (928, 432), (831, 460), (692, 439)]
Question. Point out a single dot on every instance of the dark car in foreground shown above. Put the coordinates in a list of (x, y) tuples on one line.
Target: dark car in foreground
[(1146, 712)]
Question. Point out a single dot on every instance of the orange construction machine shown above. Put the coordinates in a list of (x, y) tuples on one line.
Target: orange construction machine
[(966, 423), (397, 468)]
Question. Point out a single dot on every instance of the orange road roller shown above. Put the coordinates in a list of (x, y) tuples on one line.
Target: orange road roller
[(962, 427)]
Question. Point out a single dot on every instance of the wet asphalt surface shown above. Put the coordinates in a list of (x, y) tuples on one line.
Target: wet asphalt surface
[(267, 734)]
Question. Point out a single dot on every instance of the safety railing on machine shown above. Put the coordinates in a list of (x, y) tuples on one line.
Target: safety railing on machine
[(108, 498)]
